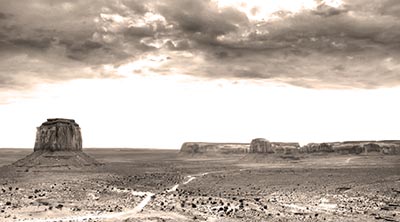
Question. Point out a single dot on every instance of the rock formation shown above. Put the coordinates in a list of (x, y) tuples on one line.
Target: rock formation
[(58, 135), (317, 148), (388, 147), (285, 148), (58, 144), (214, 148), (261, 145)]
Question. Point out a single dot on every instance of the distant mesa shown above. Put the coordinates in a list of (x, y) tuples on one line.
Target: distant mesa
[(386, 147), (58, 144), (261, 145), (264, 146), (214, 148)]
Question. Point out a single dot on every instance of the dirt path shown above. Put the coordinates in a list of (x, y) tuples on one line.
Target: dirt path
[(189, 179), (104, 216), (348, 160), (131, 213)]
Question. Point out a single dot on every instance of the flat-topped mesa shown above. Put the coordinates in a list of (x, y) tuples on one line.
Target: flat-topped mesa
[(60, 120), (58, 135), (261, 145), (214, 148), (388, 147)]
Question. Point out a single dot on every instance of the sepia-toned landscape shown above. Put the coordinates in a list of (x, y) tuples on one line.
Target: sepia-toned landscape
[(199, 110), (163, 185), (62, 183)]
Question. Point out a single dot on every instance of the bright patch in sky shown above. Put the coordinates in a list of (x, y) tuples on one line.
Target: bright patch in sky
[(139, 65), (165, 111), (263, 10)]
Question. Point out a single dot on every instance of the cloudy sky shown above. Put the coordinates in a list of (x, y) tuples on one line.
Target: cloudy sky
[(158, 73)]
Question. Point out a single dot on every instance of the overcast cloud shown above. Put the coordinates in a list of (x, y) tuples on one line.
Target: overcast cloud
[(355, 45)]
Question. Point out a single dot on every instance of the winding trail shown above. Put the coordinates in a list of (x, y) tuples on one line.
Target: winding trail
[(173, 188), (147, 197), (104, 216), (190, 178), (116, 215)]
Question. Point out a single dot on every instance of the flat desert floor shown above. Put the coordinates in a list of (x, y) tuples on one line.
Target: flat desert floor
[(163, 185)]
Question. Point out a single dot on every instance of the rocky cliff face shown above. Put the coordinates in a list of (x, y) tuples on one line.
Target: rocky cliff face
[(260, 145), (58, 135)]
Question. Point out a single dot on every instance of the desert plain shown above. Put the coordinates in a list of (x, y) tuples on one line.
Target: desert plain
[(166, 185)]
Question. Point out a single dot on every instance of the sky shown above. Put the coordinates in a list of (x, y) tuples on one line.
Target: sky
[(158, 73)]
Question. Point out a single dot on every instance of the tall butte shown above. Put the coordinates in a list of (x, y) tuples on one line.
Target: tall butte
[(58, 135), (58, 144)]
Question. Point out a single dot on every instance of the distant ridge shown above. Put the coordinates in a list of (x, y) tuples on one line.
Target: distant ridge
[(215, 148), (261, 145)]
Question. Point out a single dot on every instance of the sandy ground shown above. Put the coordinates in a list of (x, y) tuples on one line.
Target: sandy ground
[(161, 185)]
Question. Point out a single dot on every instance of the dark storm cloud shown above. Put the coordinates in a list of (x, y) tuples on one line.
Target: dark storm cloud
[(202, 17), (307, 48), (140, 31), (54, 41), (354, 45), (4, 16), (32, 43)]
